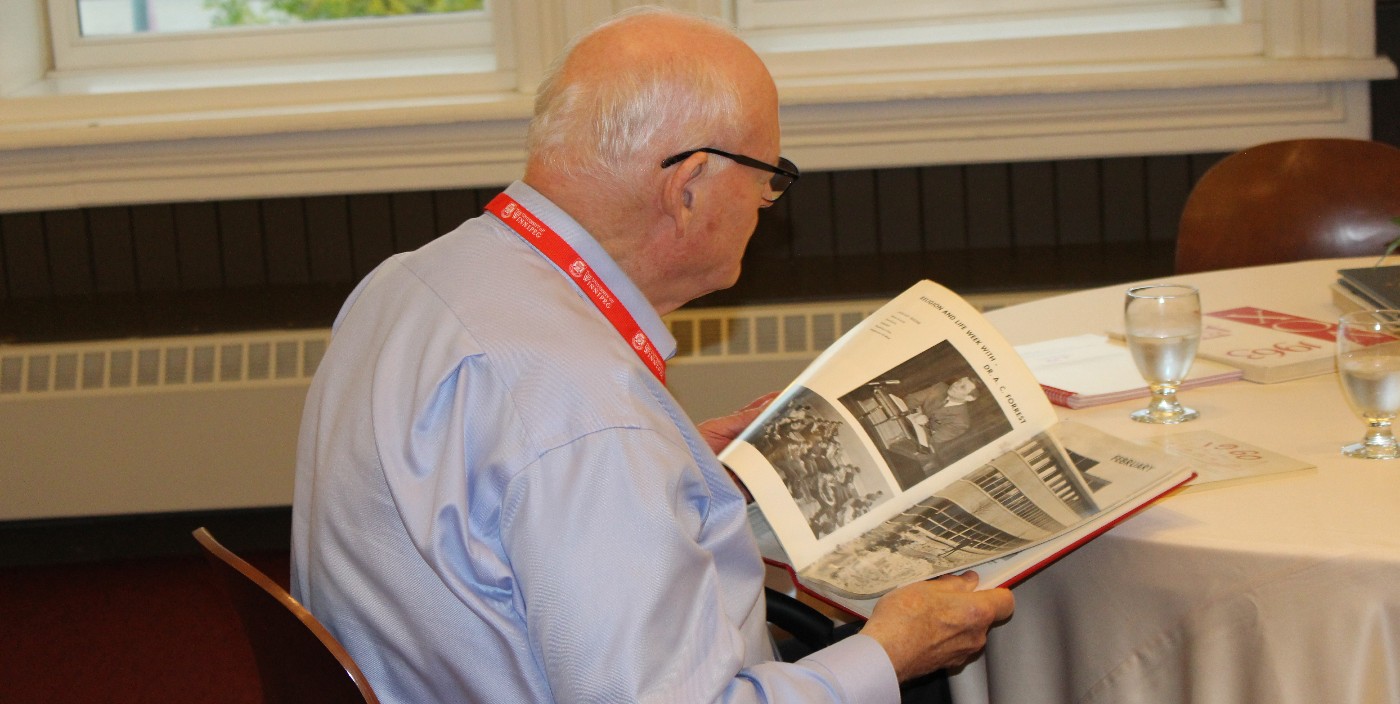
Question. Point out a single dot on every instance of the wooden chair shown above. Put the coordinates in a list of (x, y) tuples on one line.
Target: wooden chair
[(1291, 200), (298, 660)]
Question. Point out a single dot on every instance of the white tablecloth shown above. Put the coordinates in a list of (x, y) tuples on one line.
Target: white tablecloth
[(1279, 590)]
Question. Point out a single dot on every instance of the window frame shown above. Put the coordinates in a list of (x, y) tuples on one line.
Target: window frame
[(963, 35), (803, 15), (368, 38)]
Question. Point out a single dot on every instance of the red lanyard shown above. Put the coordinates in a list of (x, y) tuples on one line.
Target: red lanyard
[(550, 244)]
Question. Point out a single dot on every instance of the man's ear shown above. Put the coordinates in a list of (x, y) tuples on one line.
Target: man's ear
[(683, 185)]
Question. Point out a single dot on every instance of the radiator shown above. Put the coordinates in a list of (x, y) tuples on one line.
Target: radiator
[(209, 422)]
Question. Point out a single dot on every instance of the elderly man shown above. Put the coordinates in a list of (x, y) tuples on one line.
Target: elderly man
[(497, 500)]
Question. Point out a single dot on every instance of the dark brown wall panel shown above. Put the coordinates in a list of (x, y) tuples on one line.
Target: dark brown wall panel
[(284, 236), (4, 276), (1078, 202), (772, 239), (454, 207), (414, 222), (154, 244), (898, 211), (1168, 183), (69, 252), (328, 239), (1032, 202), (371, 231), (278, 262), (855, 215), (26, 256), (944, 199), (113, 251), (813, 223), (988, 205), (1124, 199), (241, 244), (197, 237)]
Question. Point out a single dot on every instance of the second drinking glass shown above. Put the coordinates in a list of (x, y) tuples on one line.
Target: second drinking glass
[(1162, 325)]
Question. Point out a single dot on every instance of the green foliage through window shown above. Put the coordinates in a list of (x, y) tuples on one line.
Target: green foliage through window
[(229, 13)]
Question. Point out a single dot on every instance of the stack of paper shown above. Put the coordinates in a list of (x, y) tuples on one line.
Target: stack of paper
[(1376, 286), (1091, 370)]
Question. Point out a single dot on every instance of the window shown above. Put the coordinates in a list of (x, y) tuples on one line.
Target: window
[(817, 37), (160, 34), (773, 14), (115, 17)]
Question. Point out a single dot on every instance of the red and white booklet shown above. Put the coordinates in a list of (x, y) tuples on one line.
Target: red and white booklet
[(920, 444), (1267, 345)]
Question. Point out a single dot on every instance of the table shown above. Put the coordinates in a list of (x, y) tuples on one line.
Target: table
[(1280, 590)]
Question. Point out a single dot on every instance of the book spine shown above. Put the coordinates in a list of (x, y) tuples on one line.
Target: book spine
[(1059, 397)]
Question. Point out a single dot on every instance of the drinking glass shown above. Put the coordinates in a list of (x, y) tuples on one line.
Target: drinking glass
[(1368, 365), (1162, 324)]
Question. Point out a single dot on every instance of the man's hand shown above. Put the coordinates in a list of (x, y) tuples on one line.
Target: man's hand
[(935, 624), (719, 432)]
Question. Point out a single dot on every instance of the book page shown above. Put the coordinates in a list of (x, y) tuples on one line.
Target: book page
[(1055, 484), (902, 406), (1122, 478)]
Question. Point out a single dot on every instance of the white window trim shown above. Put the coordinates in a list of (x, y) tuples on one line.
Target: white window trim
[(1292, 68), (459, 33), (793, 14)]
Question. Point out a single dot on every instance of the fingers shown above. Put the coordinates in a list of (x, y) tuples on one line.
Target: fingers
[(761, 402), (938, 623), (1000, 599), (719, 432), (964, 582), (1001, 603)]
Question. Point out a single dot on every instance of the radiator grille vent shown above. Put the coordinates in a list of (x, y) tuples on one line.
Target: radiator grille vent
[(800, 330), (703, 335), (160, 363)]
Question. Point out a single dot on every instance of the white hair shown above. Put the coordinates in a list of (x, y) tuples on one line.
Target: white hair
[(618, 127)]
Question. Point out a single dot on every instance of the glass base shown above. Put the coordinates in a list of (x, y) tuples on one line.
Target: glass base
[(1366, 451), (1180, 414)]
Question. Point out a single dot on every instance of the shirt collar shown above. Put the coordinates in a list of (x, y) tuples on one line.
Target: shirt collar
[(602, 264)]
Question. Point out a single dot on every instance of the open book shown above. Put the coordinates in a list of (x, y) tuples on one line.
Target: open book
[(920, 444)]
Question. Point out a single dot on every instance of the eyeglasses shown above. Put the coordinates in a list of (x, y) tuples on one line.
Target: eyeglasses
[(784, 174)]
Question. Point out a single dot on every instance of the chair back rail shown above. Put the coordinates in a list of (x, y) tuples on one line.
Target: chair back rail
[(298, 660)]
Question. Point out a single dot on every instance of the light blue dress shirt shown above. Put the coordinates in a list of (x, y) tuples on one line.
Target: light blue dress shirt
[(496, 501)]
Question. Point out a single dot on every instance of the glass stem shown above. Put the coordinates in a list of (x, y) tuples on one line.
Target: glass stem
[(1163, 400), (1378, 434)]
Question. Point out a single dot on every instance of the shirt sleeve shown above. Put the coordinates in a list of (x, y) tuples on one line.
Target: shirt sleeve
[(618, 582)]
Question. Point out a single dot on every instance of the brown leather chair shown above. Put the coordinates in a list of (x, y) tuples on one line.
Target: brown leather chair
[(1289, 201), (298, 660)]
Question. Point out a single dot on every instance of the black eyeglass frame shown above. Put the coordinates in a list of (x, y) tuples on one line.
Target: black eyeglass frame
[(784, 174)]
